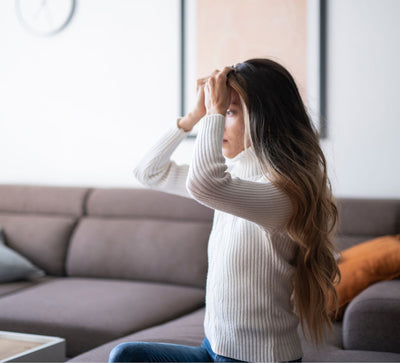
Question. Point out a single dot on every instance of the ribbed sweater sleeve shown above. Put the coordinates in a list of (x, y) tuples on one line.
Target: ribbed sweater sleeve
[(210, 183), (156, 170)]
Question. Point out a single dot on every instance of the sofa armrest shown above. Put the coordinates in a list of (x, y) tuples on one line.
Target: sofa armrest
[(371, 320)]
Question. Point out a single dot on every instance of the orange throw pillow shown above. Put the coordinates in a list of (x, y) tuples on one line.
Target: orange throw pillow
[(364, 264)]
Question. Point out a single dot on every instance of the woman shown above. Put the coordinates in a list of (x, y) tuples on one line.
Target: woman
[(271, 259)]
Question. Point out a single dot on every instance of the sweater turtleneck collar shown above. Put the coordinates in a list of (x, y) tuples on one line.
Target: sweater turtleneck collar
[(245, 164)]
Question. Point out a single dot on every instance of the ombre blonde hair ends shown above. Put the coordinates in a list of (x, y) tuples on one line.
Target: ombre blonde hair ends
[(287, 146)]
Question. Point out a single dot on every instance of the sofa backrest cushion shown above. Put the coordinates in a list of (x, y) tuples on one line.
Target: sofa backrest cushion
[(145, 203), (47, 200), (364, 219), (141, 234), (38, 222)]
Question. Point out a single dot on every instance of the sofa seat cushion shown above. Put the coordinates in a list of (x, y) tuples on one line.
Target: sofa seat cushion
[(188, 330), (10, 287), (89, 312), (371, 320)]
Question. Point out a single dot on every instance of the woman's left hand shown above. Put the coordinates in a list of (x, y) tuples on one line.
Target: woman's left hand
[(217, 92)]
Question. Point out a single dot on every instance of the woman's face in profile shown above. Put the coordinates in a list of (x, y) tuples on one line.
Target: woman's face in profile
[(233, 142)]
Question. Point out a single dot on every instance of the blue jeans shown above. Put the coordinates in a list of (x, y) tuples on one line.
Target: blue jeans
[(165, 352)]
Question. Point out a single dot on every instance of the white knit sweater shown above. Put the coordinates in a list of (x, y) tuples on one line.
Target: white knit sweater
[(248, 316)]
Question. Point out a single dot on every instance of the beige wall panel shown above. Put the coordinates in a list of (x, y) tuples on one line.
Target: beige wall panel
[(231, 31)]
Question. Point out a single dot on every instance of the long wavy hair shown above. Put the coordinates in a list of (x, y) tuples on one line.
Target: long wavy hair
[(287, 146)]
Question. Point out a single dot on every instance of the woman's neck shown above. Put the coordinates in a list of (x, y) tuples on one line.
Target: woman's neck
[(245, 164)]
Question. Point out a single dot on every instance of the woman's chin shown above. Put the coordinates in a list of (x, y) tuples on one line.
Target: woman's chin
[(227, 154)]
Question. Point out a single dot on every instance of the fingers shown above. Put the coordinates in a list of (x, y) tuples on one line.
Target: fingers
[(201, 81), (220, 75), (216, 73), (217, 92), (226, 70), (223, 73), (213, 78)]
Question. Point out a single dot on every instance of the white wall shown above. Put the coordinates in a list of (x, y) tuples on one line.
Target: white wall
[(363, 147), (79, 107)]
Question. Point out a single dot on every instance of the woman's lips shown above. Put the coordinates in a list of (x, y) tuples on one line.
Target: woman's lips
[(225, 140)]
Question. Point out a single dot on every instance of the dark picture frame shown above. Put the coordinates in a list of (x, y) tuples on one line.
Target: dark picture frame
[(316, 60)]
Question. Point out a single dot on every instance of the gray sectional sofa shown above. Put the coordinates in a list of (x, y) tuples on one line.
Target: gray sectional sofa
[(130, 264)]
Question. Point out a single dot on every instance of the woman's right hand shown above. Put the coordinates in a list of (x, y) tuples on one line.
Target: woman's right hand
[(194, 116)]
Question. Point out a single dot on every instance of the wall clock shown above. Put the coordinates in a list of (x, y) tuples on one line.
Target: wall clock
[(44, 17)]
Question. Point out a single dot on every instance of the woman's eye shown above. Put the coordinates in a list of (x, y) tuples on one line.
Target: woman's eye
[(229, 112)]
